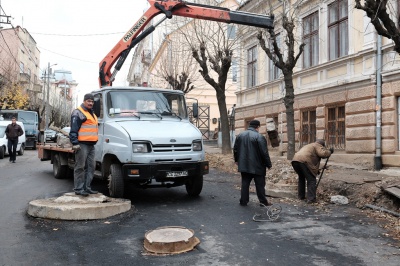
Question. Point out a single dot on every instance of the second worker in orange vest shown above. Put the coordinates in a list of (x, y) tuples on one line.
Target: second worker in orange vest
[(84, 136)]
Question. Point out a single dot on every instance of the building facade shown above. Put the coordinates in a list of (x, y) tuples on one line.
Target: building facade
[(337, 82), (20, 60)]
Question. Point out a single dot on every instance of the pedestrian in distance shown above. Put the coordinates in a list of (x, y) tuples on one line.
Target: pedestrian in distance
[(306, 164), (84, 136), (252, 158), (13, 132)]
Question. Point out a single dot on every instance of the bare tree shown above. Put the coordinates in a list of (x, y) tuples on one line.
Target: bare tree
[(178, 68), (377, 11), (285, 62), (213, 49)]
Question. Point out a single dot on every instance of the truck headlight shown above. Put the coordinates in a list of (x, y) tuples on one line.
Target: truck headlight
[(197, 145), (140, 147)]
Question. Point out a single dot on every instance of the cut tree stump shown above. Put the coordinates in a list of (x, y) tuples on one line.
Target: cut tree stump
[(170, 240)]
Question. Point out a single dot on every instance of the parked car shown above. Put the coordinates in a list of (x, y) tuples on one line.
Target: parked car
[(4, 141), (50, 134)]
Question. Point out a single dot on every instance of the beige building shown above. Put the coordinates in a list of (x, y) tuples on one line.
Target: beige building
[(337, 82), (165, 51), (20, 59)]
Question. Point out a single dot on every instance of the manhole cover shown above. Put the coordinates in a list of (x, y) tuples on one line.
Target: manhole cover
[(170, 240)]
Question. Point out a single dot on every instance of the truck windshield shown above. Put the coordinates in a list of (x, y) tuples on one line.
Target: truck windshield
[(26, 117), (145, 103)]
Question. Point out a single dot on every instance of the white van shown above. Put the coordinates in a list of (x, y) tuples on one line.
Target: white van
[(3, 139)]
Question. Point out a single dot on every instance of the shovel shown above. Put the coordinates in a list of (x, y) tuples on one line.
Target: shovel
[(322, 172)]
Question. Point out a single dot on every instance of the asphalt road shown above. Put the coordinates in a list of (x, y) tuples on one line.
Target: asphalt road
[(303, 235)]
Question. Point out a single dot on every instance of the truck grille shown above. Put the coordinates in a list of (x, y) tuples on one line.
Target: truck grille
[(172, 148)]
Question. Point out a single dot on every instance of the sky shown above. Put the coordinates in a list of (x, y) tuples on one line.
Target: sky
[(76, 34)]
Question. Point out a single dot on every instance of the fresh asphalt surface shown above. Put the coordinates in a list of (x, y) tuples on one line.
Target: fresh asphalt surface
[(303, 235)]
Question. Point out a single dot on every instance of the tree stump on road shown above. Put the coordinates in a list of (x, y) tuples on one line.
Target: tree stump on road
[(170, 240)]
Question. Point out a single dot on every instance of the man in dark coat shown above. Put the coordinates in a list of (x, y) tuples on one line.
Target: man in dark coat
[(251, 155), (13, 131), (306, 164)]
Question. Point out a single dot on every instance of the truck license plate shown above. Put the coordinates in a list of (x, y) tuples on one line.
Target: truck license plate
[(177, 174)]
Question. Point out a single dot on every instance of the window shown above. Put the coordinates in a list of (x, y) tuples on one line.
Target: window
[(335, 133), (231, 31), (21, 67), (338, 29), (99, 100), (311, 40), (251, 66), (234, 68), (308, 131), (142, 104), (273, 138), (274, 71)]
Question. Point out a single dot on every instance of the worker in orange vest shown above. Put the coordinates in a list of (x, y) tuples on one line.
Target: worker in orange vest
[(84, 136)]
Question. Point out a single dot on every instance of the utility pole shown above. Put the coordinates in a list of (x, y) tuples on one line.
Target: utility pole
[(65, 96), (48, 95)]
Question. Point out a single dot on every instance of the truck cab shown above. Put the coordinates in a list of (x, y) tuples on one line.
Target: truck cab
[(146, 139)]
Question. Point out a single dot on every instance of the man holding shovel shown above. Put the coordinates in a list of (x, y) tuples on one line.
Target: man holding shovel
[(306, 164)]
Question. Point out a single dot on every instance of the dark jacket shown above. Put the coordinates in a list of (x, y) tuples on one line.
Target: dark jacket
[(13, 131), (77, 118), (251, 153), (311, 155)]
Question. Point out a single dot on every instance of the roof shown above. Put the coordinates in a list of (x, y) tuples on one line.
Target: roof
[(63, 74)]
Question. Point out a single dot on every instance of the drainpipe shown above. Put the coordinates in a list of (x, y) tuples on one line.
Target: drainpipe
[(378, 145)]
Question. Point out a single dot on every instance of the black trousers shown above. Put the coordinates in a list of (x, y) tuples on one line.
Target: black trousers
[(12, 149), (305, 175), (260, 188)]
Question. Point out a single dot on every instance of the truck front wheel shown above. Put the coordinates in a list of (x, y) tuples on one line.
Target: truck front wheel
[(116, 181), (59, 171), (194, 185)]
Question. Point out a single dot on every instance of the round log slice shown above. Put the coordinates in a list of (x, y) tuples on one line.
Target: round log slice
[(170, 240)]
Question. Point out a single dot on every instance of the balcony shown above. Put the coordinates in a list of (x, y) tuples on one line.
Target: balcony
[(24, 78), (37, 87), (146, 56), (137, 76)]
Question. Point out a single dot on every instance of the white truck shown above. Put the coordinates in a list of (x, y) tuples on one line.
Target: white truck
[(145, 138)]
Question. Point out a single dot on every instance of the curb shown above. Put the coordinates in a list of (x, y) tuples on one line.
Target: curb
[(73, 207)]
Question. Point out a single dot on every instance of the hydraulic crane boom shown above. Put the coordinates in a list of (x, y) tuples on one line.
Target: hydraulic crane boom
[(172, 8)]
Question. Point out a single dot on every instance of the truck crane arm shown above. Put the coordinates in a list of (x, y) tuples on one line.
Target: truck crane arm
[(171, 8)]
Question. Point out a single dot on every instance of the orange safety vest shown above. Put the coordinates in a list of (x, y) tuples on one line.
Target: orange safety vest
[(89, 129)]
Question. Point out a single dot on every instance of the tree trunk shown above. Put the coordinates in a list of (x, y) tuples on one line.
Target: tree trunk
[(226, 140), (289, 100)]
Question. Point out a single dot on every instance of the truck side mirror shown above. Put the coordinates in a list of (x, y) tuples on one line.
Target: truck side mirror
[(97, 106), (195, 110)]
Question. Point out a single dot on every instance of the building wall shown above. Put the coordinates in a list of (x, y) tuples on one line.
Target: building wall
[(17, 46), (348, 81)]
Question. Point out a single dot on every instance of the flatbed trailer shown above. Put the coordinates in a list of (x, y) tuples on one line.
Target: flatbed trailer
[(62, 159)]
